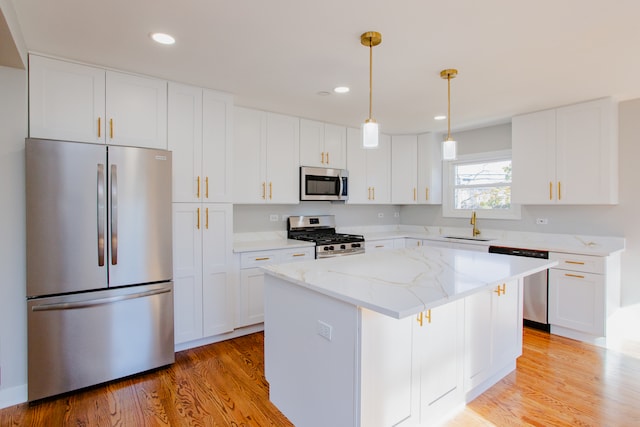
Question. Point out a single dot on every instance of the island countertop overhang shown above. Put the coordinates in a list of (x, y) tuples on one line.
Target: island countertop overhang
[(404, 282)]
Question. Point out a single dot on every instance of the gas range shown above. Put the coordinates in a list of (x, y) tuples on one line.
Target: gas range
[(321, 229)]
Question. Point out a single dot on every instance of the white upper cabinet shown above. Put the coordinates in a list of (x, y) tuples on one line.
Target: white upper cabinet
[(74, 102), (266, 157), (567, 155), (199, 134), (322, 144), (369, 170), (416, 170)]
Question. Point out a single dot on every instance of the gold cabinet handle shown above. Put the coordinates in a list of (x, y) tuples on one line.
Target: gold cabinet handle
[(414, 193), (99, 127), (270, 190), (550, 190), (298, 255), (426, 193), (574, 262), (198, 220), (368, 193), (559, 191), (264, 190), (428, 316), (379, 246), (501, 290), (111, 128), (327, 157), (578, 276), (420, 318), (198, 189), (322, 161), (373, 189), (262, 258), (206, 221), (206, 187)]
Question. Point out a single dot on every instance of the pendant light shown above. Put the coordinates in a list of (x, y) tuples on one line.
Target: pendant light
[(370, 126), (449, 145)]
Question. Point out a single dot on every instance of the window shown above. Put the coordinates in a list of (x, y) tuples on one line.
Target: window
[(481, 183)]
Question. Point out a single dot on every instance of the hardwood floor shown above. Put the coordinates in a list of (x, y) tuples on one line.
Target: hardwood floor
[(558, 382)]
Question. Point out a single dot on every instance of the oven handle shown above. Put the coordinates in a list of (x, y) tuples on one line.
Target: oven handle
[(339, 255)]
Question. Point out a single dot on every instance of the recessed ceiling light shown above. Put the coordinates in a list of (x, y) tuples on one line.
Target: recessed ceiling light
[(439, 117), (341, 89), (163, 38)]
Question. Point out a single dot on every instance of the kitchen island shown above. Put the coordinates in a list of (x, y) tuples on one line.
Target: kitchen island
[(400, 337)]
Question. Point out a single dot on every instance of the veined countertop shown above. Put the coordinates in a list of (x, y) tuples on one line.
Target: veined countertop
[(564, 243), (404, 282)]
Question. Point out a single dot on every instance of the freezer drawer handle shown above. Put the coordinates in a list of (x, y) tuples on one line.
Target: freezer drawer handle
[(101, 214), (114, 215), (96, 302)]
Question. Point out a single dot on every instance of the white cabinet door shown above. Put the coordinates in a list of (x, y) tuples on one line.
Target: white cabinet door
[(378, 245), (282, 159), (187, 272), (404, 172), (534, 157), (66, 101), (312, 143), (335, 146), (136, 111), (438, 352), (586, 153), (217, 146), (217, 284), (493, 332), (185, 141), (577, 301), (322, 144), (249, 140), (429, 170)]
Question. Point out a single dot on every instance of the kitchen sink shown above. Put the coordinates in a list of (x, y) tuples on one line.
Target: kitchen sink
[(477, 239)]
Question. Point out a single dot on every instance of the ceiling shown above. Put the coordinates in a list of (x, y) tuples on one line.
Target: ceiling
[(512, 56)]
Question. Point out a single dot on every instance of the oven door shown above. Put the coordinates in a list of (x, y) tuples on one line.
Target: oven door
[(323, 184)]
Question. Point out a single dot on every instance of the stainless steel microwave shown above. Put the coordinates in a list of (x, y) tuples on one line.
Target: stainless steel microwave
[(323, 184)]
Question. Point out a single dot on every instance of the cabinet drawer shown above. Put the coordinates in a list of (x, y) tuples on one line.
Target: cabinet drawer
[(582, 263), (298, 254), (257, 259), (378, 244)]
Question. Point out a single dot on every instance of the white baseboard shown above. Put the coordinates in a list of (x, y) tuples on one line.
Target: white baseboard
[(222, 337), (13, 396)]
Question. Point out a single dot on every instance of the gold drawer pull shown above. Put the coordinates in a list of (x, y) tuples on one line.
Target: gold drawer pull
[(298, 254), (198, 221), (574, 275), (99, 127), (559, 191), (379, 246), (426, 193), (262, 258), (550, 190), (575, 262)]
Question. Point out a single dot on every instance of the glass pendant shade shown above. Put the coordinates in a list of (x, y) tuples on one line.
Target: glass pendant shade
[(370, 134), (448, 149)]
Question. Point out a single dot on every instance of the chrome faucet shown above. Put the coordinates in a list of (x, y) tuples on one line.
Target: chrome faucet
[(473, 222)]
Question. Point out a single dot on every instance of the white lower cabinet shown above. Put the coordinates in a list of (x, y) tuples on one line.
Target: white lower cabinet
[(250, 290), (203, 286), (377, 245), (438, 342), (583, 292), (493, 335)]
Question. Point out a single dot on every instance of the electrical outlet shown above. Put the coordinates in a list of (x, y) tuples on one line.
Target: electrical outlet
[(380, 215), (324, 330), (542, 221), (284, 217), (396, 214), (274, 217)]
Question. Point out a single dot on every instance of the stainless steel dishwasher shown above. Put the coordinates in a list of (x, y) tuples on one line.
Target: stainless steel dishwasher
[(536, 288)]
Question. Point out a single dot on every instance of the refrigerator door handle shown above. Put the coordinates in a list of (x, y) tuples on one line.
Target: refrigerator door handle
[(114, 215), (101, 214), (97, 302)]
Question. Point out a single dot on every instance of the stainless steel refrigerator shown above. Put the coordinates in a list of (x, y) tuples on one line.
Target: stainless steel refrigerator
[(99, 263)]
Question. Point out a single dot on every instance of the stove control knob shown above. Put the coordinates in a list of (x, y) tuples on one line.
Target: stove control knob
[(331, 248), (343, 247), (327, 248), (355, 245)]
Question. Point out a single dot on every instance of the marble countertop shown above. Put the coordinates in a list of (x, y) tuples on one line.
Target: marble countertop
[(403, 282)]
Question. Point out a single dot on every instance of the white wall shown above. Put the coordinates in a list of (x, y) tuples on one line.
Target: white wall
[(13, 317), (618, 220)]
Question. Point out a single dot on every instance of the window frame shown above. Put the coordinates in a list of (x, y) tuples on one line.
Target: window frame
[(448, 187)]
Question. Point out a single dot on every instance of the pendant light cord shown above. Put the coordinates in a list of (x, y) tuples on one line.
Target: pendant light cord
[(370, 78), (449, 107)]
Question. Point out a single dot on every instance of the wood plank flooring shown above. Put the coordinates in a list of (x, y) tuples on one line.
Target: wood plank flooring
[(558, 382)]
